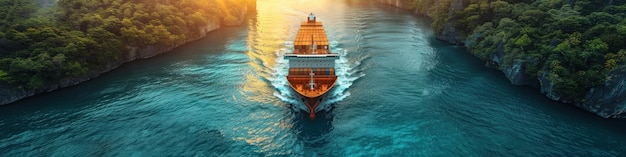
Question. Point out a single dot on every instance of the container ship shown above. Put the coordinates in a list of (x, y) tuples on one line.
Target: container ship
[(311, 65)]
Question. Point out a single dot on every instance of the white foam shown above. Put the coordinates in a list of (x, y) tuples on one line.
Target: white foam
[(289, 44), (279, 81), (345, 77), (347, 72)]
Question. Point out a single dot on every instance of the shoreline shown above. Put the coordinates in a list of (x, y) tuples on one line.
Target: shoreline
[(11, 93), (606, 100)]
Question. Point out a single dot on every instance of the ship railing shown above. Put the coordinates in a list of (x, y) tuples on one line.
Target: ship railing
[(309, 77), (294, 55)]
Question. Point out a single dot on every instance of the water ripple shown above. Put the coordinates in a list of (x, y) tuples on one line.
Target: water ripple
[(400, 92)]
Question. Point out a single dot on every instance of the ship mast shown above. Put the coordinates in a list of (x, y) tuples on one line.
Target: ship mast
[(311, 83), (313, 47)]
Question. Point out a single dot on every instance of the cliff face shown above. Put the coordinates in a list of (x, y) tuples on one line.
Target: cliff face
[(153, 50), (449, 33), (515, 72), (608, 100), (546, 88), (240, 13), (516, 75), (11, 93)]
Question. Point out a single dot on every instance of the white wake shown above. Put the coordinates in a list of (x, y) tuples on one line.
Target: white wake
[(347, 72)]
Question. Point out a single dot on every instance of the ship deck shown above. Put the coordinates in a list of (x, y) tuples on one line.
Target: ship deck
[(322, 83), (311, 33)]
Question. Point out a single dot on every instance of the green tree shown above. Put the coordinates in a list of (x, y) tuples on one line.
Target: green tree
[(501, 9), (523, 41), (4, 76)]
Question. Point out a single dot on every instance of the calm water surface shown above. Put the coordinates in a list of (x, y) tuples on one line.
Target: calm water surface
[(400, 93)]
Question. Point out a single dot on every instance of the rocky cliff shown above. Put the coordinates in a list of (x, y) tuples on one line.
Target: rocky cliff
[(153, 50), (10, 93), (607, 100), (239, 13), (449, 32)]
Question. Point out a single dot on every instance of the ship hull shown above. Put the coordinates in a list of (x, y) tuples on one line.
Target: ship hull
[(312, 98), (312, 103)]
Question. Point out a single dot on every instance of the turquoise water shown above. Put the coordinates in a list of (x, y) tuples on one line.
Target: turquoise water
[(400, 93)]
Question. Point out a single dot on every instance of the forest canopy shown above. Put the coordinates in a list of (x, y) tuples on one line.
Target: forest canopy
[(575, 44), (43, 42)]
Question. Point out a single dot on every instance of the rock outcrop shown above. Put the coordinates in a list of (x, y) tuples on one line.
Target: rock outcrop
[(449, 32), (608, 100), (516, 75), (546, 87)]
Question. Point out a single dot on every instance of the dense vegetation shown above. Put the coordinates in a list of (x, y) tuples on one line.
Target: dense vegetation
[(42, 43), (572, 43)]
